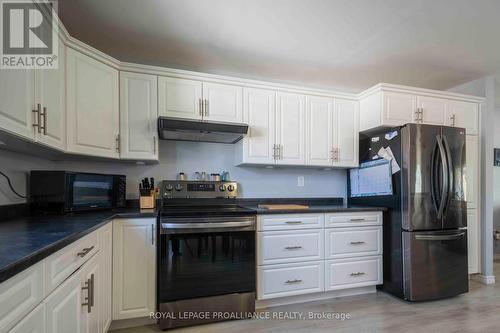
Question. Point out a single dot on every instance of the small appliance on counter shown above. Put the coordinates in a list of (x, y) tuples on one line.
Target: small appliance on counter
[(147, 193), (206, 253), (65, 191)]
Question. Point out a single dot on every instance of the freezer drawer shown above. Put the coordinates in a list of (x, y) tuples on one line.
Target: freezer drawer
[(435, 264)]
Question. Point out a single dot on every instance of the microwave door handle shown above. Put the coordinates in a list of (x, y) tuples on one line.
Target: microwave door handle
[(444, 167)]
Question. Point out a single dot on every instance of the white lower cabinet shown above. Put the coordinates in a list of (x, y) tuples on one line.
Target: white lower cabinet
[(311, 253), (351, 273), (473, 245), (34, 322), (289, 279), (134, 267)]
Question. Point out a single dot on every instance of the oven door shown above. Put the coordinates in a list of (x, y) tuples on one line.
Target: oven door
[(200, 258), (90, 191)]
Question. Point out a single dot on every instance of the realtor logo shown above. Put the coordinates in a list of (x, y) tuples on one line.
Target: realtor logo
[(29, 34)]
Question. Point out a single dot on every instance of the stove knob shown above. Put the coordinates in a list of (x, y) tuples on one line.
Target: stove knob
[(169, 187), (222, 188), (230, 188), (178, 187)]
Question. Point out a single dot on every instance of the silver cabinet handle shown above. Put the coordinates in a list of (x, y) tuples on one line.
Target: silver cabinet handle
[(154, 145), (152, 234), (358, 274), (85, 251), (419, 114), (117, 142), (90, 287), (275, 148), (44, 116), (206, 108), (293, 222), (357, 243), (293, 247), (37, 111), (293, 281), (452, 120), (200, 107), (357, 220)]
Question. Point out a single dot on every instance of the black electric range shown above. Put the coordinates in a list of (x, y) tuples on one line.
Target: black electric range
[(206, 253)]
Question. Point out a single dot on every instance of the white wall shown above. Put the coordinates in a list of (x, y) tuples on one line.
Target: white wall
[(189, 157)]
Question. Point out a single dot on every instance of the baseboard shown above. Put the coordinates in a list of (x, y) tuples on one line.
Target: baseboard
[(484, 279), (262, 304), (134, 322)]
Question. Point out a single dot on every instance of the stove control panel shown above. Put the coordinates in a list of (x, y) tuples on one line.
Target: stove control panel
[(198, 189)]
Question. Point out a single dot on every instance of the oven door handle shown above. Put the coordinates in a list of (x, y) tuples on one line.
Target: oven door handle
[(208, 225)]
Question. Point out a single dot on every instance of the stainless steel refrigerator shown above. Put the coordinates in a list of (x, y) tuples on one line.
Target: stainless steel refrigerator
[(425, 235)]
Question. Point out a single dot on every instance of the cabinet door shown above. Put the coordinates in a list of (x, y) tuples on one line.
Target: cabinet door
[(398, 108), (433, 110), (106, 262), (290, 128), (472, 170), (50, 92), (346, 139), (179, 98), (17, 102), (34, 322), (134, 250), (92, 106), (259, 112), (91, 276), (465, 115), (473, 249), (138, 116), (320, 130), (223, 102), (63, 308)]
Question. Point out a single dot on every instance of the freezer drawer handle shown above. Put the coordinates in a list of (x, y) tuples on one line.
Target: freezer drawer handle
[(357, 243), (293, 281), (358, 274), (293, 222), (439, 237), (293, 247)]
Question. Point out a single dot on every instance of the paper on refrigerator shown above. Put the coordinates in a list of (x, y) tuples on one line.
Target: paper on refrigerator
[(388, 155)]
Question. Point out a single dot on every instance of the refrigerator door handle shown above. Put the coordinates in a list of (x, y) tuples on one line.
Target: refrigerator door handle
[(444, 166), (434, 194), (440, 237), (449, 174)]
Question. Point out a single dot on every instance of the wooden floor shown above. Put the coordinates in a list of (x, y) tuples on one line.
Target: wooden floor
[(477, 311)]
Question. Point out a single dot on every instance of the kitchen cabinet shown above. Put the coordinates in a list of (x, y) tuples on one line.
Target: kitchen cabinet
[(432, 110), (34, 322), (290, 128), (472, 171), (352, 273), (138, 116), (473, 245), (321, 129), (105, 286), (92, 106), (346, 135), (134, 250), (259, 112), (198, 100), (464, 115), (399, 108)]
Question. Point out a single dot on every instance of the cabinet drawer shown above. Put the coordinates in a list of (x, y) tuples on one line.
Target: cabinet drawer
[(19, 295), (350, 273), (63, 263), (353, 242), (289, 279), (276, 247), (353, 219), (289, 221)]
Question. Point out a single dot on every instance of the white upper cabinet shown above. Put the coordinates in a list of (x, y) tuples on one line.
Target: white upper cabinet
[(92, 106), (346, 135), (138, 116), (259, 112), (17, 102), (222, 102), (179, 98), (432, 110), (290, 131), (465, 115), (399, 108), (320, 130), (50, 92)]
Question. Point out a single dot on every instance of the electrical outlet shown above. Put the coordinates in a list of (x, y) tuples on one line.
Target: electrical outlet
[(300, 181)]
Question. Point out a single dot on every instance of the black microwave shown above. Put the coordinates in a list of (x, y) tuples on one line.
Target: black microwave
[(66, 192)]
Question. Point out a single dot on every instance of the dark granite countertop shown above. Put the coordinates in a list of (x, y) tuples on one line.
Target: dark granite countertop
[(317, 209), (27, 240)]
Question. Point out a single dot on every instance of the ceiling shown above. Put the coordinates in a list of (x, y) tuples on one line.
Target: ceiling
[(342, 44)]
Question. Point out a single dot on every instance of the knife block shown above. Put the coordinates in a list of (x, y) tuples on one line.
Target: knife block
[(147, 201)]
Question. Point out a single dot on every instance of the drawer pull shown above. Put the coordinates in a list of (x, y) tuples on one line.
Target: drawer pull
[(358, 274), (85, 251), (293, 222), (293, 281), (293, 247), (357, 220), (357, 243)]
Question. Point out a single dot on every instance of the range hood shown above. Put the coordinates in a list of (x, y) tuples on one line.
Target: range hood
[(203, 131)]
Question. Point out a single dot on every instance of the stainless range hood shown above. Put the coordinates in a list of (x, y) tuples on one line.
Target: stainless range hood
[(203, 131)]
